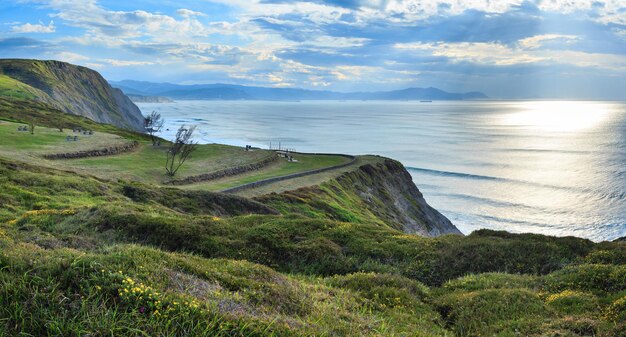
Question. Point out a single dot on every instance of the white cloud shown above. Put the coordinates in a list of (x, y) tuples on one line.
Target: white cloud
[(36, 28), (503, 55), (70, 57), (537, 41), (126, 63), (188, 13)]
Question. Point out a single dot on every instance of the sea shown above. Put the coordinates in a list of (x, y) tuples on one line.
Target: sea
[(547, 167)]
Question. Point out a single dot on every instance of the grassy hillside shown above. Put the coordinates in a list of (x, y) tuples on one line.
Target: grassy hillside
[(85, 253), (10, 87), (217, 271), (72, 89), (27, 110), (145, 163)]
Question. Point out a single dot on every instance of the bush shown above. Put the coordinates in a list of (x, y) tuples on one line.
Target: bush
[(616, 312), (573, 302), (384, 289), (488, 311), (491, 281), (616, 255), (588, 277)]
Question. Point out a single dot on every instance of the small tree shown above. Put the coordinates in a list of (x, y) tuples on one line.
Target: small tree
[(180, 150), (31, 127), (153, 123)]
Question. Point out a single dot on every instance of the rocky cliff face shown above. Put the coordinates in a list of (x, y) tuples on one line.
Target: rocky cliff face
[(404, 204), (75, 90), (382, 193)]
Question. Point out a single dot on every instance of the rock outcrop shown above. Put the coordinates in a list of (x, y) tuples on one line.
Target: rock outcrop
[(73, 89)]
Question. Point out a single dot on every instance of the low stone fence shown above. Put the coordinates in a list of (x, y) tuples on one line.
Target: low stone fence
[(231, 171), (109, 151), (294, 175)]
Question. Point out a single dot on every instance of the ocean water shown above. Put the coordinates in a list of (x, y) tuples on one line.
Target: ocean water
[(548, 167)]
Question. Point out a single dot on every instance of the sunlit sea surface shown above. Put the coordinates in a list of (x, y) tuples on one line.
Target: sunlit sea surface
[(555, 168)]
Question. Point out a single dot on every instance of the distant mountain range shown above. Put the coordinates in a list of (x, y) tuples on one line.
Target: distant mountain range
[(221, 91)]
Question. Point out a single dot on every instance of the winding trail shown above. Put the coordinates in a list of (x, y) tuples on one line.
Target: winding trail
[(293, 175), (227, 172)]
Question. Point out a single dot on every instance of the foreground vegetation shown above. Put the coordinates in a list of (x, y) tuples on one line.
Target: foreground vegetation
[(84, 256)]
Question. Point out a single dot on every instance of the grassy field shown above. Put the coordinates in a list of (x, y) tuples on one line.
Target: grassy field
[(310, 180), (282, 167), (49, 141), (146, 164)]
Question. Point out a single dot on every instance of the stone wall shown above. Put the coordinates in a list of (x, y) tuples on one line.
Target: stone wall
[(109, 151)]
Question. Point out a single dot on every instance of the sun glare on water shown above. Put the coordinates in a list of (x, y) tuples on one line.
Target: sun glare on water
[(557, 116)]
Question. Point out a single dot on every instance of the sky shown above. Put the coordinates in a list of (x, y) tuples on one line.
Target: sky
[(507, 49)]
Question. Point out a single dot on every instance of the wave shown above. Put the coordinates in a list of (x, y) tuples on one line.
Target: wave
[(598, 195)]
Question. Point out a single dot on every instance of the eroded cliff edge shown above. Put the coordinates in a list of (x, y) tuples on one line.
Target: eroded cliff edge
[(382, 193)]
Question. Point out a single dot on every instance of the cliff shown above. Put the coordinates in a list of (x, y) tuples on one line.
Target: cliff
[(73, 89), (382, 193)]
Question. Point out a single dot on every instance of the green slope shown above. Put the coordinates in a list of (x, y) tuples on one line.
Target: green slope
[(10, 87), (81, 256), (69, 88)]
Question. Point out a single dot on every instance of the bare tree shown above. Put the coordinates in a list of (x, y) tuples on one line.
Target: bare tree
[(153, 123), (180, 150), (31, 128)]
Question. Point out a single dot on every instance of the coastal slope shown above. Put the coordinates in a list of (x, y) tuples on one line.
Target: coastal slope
[(381, 193), (73, 89)]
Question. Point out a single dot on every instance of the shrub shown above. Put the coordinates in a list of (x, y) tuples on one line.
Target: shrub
[(384, 289), (491, 281), (487, 311), (616, 312), (588, 277), (573, 302), (613, 256)]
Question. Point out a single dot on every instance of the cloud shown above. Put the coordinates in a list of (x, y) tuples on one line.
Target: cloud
[(22, 43), (538, 41), (70, 57), (339, 44), (188, 13), (36, 28), (99, 21), (503, 55), (126, 63)]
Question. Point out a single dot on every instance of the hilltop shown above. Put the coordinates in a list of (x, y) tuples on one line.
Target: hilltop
[(73, 89), (223, 91)]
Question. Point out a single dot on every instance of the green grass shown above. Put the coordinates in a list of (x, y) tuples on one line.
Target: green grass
[(147, 164), (213, 264), (27, 110), (16, 89), (49, 141), (283, 167)]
